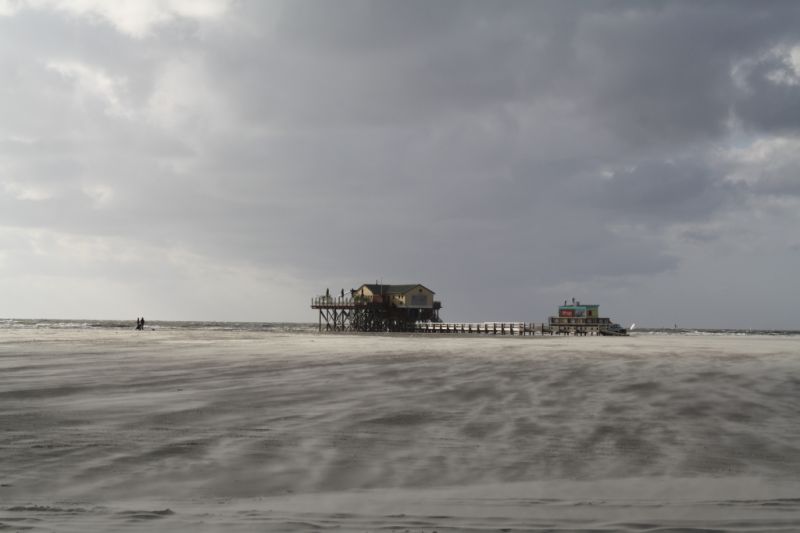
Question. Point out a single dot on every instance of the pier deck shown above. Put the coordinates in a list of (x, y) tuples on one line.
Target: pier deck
[(499, 328)]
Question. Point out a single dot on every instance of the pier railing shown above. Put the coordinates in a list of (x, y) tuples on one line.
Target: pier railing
[(346, 302), (501, 328), (486, 328)]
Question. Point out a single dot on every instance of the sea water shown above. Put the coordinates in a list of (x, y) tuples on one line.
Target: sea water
[(243, 427)]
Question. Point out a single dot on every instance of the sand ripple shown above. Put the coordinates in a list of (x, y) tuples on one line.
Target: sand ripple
[(265, 428)]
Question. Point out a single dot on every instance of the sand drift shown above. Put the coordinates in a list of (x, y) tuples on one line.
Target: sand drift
[(235, 431)]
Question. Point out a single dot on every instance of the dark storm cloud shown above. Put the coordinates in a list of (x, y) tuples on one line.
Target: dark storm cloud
[(662, 191), (657, 71), (660, 72), (393, 62), (503, 147)]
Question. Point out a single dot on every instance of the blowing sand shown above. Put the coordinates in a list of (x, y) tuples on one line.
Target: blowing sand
[(198, 430)]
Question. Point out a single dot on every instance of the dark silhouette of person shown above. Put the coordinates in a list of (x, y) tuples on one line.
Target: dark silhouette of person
[(142, 323), (138, 323)]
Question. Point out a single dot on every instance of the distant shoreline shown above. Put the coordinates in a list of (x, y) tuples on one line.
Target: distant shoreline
[(300, 327)]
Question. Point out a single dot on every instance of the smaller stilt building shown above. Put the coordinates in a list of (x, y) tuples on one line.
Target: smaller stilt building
[(581, 319), (377, 307)]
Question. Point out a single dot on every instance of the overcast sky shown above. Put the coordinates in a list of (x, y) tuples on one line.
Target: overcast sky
[(228, 160)]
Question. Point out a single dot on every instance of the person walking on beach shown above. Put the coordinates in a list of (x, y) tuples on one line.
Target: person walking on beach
[(138, 323), (142, 326)]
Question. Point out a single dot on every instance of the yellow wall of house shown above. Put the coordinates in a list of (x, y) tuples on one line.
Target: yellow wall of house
[(363, 291), (418, 297)]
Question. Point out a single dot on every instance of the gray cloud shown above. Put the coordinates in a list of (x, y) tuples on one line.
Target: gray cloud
[(498, 153), (662, 191), (769, 99)]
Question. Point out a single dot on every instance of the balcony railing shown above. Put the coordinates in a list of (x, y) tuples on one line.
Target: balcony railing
[(356, 301), (338, 301)]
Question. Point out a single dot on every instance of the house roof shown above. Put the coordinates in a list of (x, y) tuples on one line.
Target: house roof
[(393, 289)]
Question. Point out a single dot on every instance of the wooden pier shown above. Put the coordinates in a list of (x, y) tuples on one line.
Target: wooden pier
[(499, 328), (411, 308)]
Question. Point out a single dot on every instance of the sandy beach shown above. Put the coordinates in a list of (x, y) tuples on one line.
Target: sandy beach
[(208, 430)]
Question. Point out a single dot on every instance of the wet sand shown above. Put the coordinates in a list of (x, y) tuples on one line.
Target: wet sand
[(239, 431)]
